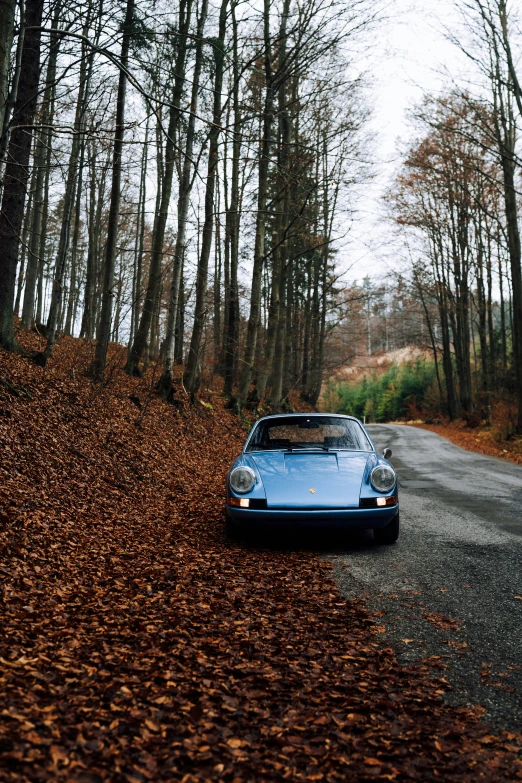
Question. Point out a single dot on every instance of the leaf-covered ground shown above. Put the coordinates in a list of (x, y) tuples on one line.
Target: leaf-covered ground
[(138, 644)]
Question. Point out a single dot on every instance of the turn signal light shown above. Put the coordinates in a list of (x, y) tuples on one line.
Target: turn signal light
[(239, 502)]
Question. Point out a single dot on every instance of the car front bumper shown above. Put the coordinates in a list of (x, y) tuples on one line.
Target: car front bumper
[(348, 519)]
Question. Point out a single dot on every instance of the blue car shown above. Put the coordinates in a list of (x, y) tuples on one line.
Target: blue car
[(312, 470)]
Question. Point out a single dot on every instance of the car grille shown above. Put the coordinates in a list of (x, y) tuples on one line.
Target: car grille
[(257, 503), (368, 503)]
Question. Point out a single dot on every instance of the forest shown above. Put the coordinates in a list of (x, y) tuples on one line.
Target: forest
[(181, 183), (186, 243), (172, 182)]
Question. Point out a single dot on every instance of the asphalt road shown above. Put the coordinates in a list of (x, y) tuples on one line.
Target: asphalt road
[(447, 588)]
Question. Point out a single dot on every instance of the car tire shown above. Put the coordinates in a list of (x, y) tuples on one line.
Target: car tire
[(388, 534), (231, 529)]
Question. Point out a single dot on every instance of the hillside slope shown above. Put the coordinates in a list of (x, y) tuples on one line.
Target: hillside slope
[(138, 644)]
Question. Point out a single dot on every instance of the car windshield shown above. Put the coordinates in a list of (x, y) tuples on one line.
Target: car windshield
[(287, 433)]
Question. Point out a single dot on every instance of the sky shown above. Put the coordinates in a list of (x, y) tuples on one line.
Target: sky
[(411, 55)]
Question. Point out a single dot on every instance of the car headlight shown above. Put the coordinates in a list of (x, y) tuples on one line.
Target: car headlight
[(382, 478), (242, 479)]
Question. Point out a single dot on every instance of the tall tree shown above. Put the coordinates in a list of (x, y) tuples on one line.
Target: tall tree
[(232, 224), (71, 186), (17, 169), (7, 17), (114, 208), (165, 383), (190, 377), (41, 165), (164, 194), (245, 377)]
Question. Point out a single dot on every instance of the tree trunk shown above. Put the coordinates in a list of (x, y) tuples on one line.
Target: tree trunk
[(25, 240), (114, 209), (259, 242), (56, 306), (160, 222), (217, 288), (42, 246), (510, 200), (87, 327), (17, 170), (190, 376), (232, 229), (165, 383), (275, 334), (73, 292), (7, 15), (41, 165), (13, 92), (307, 328), (139, 241), (279, 341), (503, 336), (318, 369), (179, 334)]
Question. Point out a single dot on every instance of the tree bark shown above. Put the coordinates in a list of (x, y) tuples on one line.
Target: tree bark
[(114, 209), (25, 239), (232, 229), (56, 305), (160, 222), (165, 383), (217, 288), (13, 91), (7, 16), (139, 241), (275, 332), (190, 376), (17, 170), (259, 242), (41, 163), (73, 292)]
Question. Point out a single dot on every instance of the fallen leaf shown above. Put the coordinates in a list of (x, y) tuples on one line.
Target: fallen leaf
[(153, 644)]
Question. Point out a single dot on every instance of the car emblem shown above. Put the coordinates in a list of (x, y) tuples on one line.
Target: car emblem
[(312, 490)]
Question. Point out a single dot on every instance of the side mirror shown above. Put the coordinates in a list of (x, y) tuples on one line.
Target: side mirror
[(387, 453)]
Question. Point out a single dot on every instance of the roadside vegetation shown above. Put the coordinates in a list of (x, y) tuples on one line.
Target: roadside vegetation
[(400, 392), (409, 394)]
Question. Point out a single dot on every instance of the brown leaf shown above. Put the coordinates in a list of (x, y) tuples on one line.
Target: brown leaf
[(152, 644)]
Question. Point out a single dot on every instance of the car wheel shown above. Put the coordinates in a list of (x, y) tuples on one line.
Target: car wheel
[(231, 529), (388, 534)]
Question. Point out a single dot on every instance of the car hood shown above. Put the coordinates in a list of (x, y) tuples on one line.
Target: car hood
[(312, 480)]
